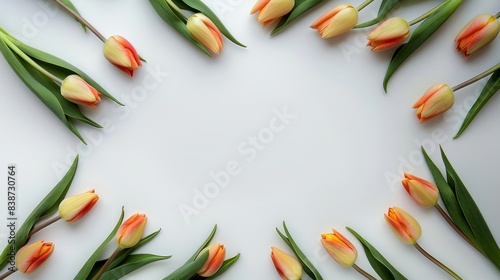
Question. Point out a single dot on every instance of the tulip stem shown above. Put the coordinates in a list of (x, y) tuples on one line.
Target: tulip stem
[(426, 15), (44, 225), (435, 261), (19, 52), (176, 9), (363, 272), (363, 5), (81, 20), (477, 78), (107, 263), (455, 227), (497, 15), (8, 273)]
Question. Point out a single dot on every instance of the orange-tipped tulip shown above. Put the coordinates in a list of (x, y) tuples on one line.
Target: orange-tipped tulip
[(206, 32), (271, 10), (389, 34), (403, 225), (130, 232), (341, 249), (73, 208), (287, 266), (122, 54), (76, 90), (477, 33), (436, 100), (425, 193), (337, 21), (216, 255), (32, 255)]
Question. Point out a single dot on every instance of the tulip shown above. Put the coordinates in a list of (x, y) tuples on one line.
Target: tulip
[(339, 248), (206, 32), (390, 33), (425, 193), (287, 266), (122, 54), (74, 208), (403, 225), (130, 232), (337, 21), (436, 100), (76, 90), (477, 33), (32, 255), (271, 10), (216, 255)]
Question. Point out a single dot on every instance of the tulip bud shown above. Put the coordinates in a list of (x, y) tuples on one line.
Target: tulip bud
[(403, 225), (436, 100), (73, 208), (390, 33), (216, 255), (76, 90), (337, 21), (121, 54), (32, 255), (287, 266), (271, 10), (130, 232), (206, 32), (339, 248), (477, 33), (425, 193)]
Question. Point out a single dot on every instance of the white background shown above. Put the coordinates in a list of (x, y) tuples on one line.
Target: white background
[(338, 162)]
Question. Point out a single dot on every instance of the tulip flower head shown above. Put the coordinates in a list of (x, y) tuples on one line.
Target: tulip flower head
[(122, 54), (477, 33), (337, 21), (271, 10), (287, 266), (425, 193), (130, 232), (206, 32), (436, 100), (389, 34), (403, 225), (73, 208), (76, 90), (339, 248), (216, 255), (32, 255)]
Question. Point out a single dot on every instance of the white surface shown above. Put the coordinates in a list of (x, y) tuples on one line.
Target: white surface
[(326, 169)]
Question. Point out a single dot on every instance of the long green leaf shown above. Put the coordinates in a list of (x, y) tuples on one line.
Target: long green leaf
[(205, 244), (449, 198), (301, 6), (380, 264), (420, 35), (130, 264), (225, 266), (87, 267), (47, 206), (73, 8), (201, 7), (491, 87), (385, 7), (189, 269), (178, 23), (478, 225)]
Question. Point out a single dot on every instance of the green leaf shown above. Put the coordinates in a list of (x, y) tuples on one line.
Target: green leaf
[(478, 225), (130, 264), (176, 21), (47, 206), (419, 36), (205, 244), (87, 267), (383, 267), (73, 8), (385, 7), (449, 199), (189, 269), (491, 87), (225, 266), (201, 7), (308, 267), (300, 7)]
